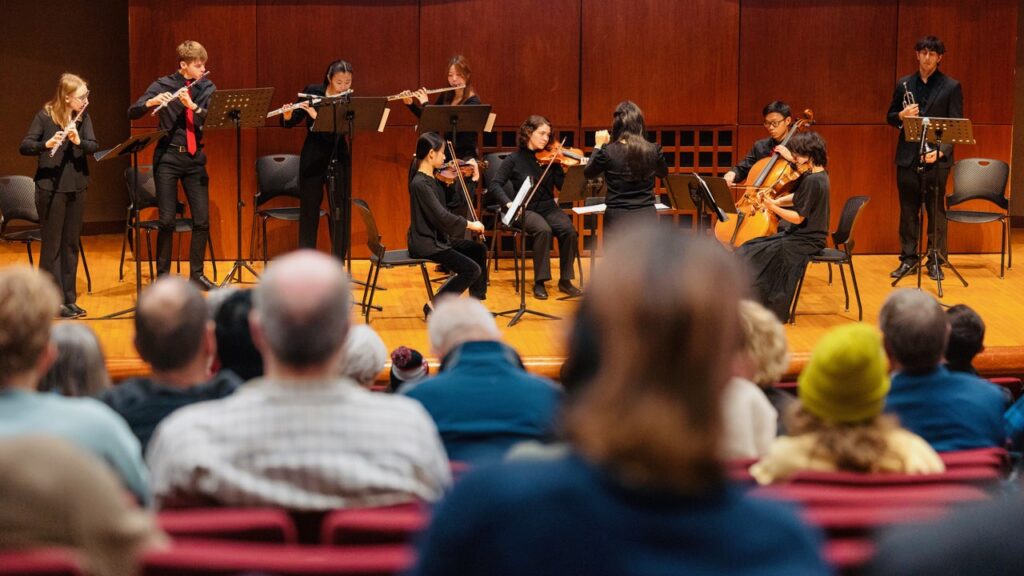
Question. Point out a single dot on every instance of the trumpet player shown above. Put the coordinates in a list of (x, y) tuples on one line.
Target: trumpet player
[(926, 92), (61, 135), (182, 99)]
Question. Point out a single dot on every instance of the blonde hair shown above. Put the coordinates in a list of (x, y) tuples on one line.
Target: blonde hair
[(852, 446), (58, 108), (190, 51), (665, 311), (28, 304), (764, 342)]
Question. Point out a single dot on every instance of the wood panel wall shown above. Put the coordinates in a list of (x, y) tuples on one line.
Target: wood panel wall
[(705, 63)]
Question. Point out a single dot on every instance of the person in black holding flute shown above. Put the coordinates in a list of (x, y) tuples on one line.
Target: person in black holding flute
[(61, 135)]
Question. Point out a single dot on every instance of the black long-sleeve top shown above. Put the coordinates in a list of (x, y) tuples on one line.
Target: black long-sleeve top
[(68, 169), (761, 149), (172, 117), (940, 97), (317, 144), (625, 191), (431, 225), (465, 142), (516, 168)]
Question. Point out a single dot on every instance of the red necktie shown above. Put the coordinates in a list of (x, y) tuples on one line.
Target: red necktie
[(190, 127)]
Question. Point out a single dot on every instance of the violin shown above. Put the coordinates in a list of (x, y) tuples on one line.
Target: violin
[(561, 155), (447, 173)]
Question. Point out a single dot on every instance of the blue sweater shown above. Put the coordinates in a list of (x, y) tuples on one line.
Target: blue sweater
[(567, 517), (951, 410), (483, 402)]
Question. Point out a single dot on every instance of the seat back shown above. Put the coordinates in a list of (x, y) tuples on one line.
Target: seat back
[(276, 175), (494, 161), (980, 178), (245, 524), (847, 220), (373, 237), (145, 195), (373, 526), (17, 200), (40, 562)]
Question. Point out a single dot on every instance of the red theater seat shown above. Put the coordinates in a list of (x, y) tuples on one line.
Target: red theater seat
[(374, 526), (247, 524), (40, 562), (840, 495), (975, 475)]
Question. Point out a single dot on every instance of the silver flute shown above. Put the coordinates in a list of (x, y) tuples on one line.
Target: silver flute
[(177, 94), (64, 131), (311, 99)]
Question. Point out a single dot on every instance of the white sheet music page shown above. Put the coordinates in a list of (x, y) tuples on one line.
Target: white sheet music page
[(520, 197)]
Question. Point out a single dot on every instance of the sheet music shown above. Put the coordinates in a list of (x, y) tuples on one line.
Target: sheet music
[(520, 196), (600, 208), (384, 119)]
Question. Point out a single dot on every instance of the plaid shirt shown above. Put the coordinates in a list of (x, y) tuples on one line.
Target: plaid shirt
[(306, 445)]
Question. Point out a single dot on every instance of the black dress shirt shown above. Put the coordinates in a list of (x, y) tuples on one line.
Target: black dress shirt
[(431, 225), (624, 190), (517, 167), (172, 117)]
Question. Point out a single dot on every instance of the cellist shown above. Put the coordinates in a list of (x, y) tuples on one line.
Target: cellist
[(777, 261), (777, 120)]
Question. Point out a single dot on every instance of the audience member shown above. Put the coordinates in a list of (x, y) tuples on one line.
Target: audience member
[(837, 424), (644, 491), (80, 368), (966, 338), (28, 303), (235, 349), (51, 494), (482, 400), (301, 437), (365, 355), (751, 422), (407, 366), (174, 335), (582, 359), (951, 410)]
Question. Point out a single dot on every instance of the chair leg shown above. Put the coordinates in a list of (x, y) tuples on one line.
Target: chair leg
[(846, 292), (1002, 253), (373, 291), (149, 250), (213, 258), (495, 244), (252, 239), (265, 251), (426, 281), (124, 244), (829, 264), (368, 293), (796, 297), (85, 264), (856, 290), (28, 248), (177, 255)]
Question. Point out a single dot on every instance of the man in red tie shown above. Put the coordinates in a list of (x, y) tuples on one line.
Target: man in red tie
[(182, 99)]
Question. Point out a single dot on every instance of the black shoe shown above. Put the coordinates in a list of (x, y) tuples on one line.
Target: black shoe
[(903, 269), (480, 297), (203, 283), (77, 309), (566, 287), (935, 272), (66, 313), (540, 292), (427, 310)]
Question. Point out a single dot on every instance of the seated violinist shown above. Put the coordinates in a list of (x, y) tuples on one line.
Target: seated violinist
[(542, 216), (777, 119), (778, 261)]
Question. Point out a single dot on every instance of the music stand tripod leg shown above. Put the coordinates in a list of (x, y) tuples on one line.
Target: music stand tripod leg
[(240, 263), (518, 313)]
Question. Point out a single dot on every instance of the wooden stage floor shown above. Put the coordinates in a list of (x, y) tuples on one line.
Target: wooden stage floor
[(541, 342)]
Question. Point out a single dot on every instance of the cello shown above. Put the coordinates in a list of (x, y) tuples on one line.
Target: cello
[(775, 177)]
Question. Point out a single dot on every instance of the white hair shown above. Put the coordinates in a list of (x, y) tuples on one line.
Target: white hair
[(458, 320), (365, 355)]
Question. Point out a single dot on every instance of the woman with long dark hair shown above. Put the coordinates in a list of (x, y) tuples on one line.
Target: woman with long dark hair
[(629, 163), (61, 135), (437, 234), (316, 151)]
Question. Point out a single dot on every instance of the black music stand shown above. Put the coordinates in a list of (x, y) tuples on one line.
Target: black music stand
[(451, 120), (245, 108), (576, 188), (340, 116), (131, 147), (701, 194), (933, 131)]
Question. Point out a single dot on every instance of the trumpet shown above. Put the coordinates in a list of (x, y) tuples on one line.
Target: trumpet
[(177, 94), (410, 93), (64, 131), (311, 99), (908, 96)]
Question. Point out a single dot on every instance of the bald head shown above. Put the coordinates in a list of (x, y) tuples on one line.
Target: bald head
[(170, 323), (303, 305), (458, 320)]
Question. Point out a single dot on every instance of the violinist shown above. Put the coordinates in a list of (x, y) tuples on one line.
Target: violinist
[(61, 135), (182, 99), (777, 120), (629, 164), (926, 92), (316, 152), (778, 261), (459, 74), (437, 234), (542, 217)]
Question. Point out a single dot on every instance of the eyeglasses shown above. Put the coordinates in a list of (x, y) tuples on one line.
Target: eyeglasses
[(82, 98), (774, 124)]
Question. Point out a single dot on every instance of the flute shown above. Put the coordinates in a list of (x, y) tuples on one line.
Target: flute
[(410, 93), (66, 129), (312, 99), (177, 94)]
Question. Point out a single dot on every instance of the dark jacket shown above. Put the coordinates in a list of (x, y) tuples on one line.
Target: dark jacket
[(431, 225), (316, 148), (68, 169), (945, 100), (172, 117)]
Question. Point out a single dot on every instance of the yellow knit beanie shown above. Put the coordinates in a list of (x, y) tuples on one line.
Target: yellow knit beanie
[(847, 377)]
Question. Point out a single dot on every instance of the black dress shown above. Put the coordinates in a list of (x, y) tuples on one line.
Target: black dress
[(628, 195), (61, 181), (777, 262), (465, 148), (313, 162)]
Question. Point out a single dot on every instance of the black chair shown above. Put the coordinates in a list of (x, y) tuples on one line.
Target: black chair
[(18, 204), (842, 239), (381, 257), (276, 176), (146, 198), (983, 179)]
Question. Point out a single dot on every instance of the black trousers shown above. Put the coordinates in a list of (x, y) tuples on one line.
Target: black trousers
[(466, 260), (550, 221), (60, 219), (615, 218), (170, 167), (911, 194), (312, 182)]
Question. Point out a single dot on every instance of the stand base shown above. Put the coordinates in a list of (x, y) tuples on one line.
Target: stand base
[(518, 313), (237, 268), (117, 315), (936, 259)]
